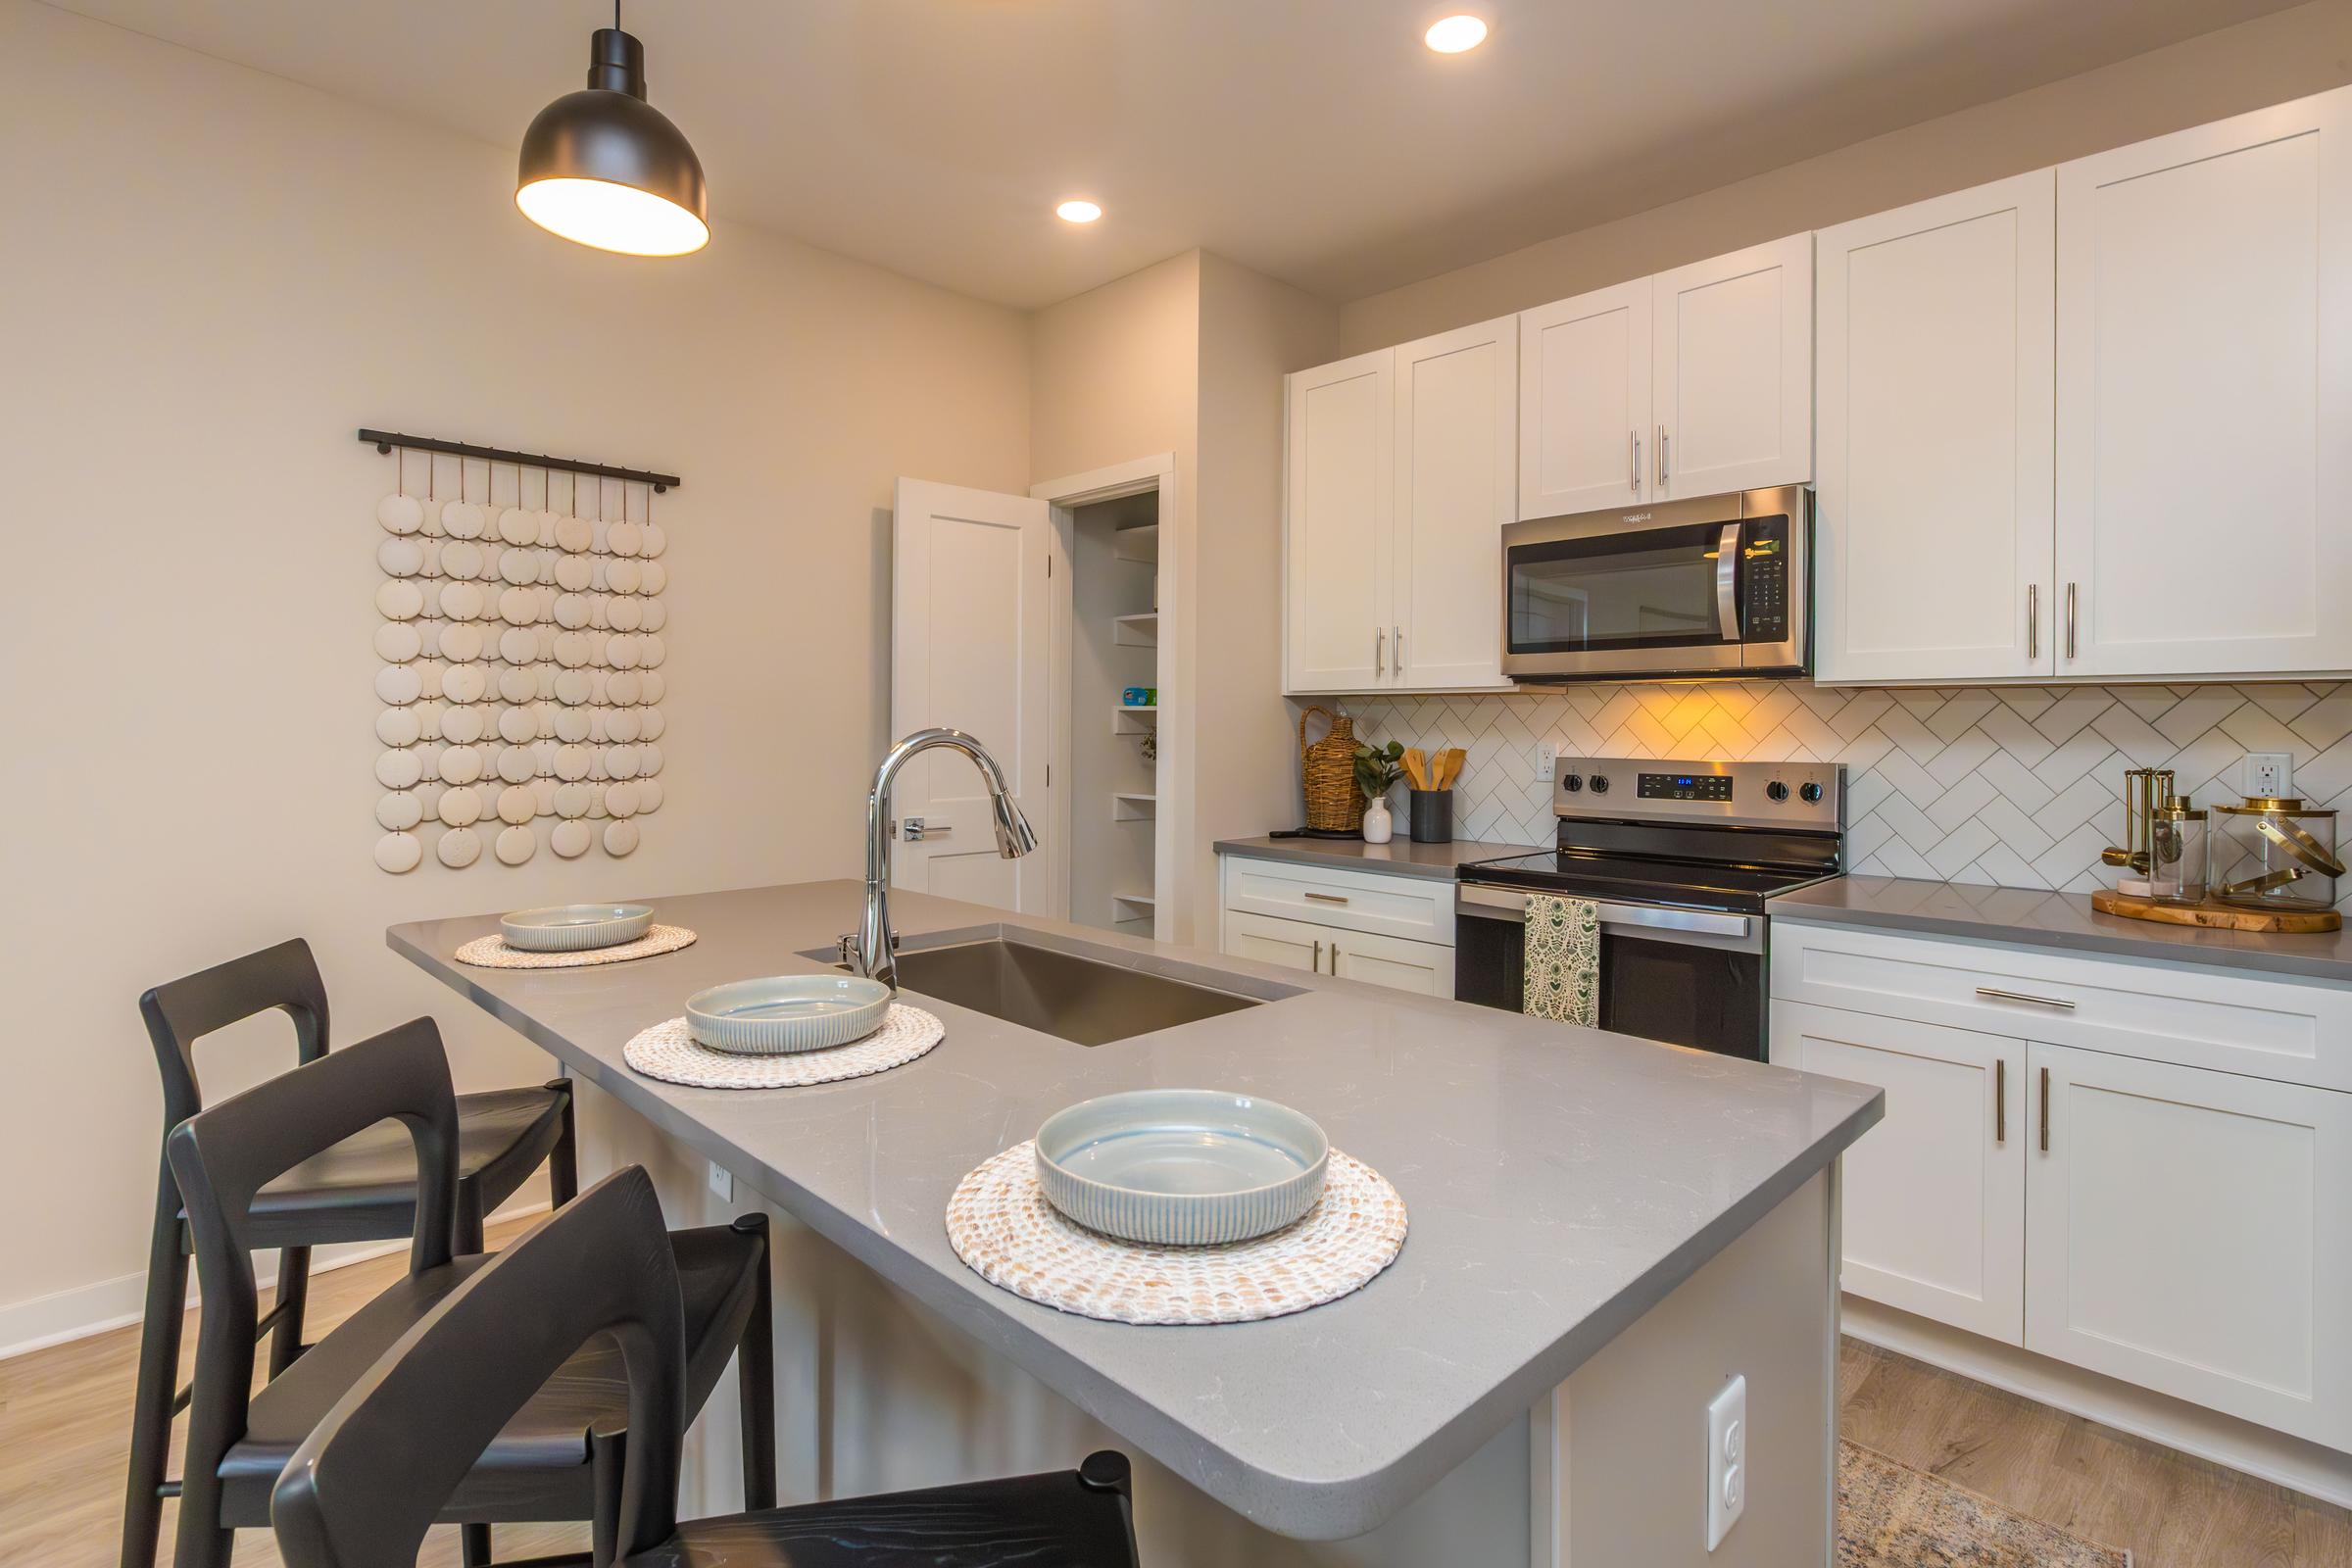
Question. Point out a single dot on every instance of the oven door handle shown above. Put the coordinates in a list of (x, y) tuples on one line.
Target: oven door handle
[(1727, 583), (1491, 903)]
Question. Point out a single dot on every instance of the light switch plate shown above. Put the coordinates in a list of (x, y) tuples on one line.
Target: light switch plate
[(722, 1182), (1726, 1459)]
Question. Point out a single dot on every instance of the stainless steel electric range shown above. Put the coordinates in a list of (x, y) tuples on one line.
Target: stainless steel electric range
[(1680, 856)]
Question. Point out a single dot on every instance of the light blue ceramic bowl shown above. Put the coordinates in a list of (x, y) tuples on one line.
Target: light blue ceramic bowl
[(1182, 1167), (787, 1014), (575, 927)]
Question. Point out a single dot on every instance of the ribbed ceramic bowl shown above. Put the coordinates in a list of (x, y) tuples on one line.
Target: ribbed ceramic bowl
[(575, 927), (787, 1014), (1181, 1167)]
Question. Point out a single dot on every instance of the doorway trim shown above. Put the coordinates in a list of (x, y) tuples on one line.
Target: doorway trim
[(1064, 496)]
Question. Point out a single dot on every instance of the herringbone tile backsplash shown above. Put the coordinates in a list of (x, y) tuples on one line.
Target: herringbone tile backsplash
[(2015, 786)]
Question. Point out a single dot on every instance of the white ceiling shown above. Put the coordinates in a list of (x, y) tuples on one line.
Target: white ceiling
[(1315, 140)]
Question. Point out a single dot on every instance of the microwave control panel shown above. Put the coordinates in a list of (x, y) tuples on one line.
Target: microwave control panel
[(1764, 580)]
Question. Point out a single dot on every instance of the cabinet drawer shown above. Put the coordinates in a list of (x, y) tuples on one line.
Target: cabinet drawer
[(1413, 908), (2281, 1029)]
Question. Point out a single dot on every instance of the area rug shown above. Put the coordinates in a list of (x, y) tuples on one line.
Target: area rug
[(1893, 1516)]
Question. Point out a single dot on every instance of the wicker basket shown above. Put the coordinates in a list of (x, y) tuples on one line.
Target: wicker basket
[(1327, 770)]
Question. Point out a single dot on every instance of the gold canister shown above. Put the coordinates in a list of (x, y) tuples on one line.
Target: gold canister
[(2275, 854)]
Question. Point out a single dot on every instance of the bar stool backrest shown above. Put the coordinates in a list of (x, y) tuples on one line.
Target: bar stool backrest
[(182, 1011), (363, 1487), (223, 1157)]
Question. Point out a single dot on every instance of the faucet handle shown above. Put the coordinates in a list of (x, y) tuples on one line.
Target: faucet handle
[(847, 945)]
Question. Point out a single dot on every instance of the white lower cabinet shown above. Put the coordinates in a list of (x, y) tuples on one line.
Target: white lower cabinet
[(1935, 1196), (1392, 961), (2150, 1179), (2191, 1232)]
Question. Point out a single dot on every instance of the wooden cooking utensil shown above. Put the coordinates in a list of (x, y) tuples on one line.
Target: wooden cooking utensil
[(1449, 766), (1416, 768)]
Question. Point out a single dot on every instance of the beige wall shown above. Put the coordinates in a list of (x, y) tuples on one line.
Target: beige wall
[(2283, 56), (1253, 331), (212, 277)]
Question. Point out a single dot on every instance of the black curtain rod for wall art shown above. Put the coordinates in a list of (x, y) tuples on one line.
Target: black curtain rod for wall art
[(385, 441)]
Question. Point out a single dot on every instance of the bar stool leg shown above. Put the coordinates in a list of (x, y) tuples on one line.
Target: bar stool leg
[(293, 1295), (564, 1160), (756, 1376), (474, 1545), (465, 1238), (158, 1384)]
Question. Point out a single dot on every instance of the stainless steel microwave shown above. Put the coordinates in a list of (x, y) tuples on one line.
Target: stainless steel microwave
[(1718, 585)]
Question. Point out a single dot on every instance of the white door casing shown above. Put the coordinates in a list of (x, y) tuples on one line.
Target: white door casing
[(1733, 371), (1584, 402), (2204, 391), (972, 584), (1934, 531)]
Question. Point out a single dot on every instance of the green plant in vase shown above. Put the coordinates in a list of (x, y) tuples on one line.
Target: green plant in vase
[(1377, 770)]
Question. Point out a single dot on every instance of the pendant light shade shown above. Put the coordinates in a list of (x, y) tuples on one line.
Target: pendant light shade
[(606, 169)]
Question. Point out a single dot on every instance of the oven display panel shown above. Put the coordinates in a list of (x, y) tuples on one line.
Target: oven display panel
[(1682, 786)]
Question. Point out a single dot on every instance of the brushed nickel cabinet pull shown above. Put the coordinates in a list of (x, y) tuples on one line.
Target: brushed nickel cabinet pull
[(1633, 478), (1661, 457), (1317, 963), (1380, 647), (2046, 1111), (1328, 898), (2019, 995), (1335, 958), (2070, 621), (2033, 620), (2001, 1100), (1399, 646)]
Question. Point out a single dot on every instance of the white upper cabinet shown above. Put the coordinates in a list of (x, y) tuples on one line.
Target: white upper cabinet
[(1584, 402), (2204, 396), (1457, 398), (1731, 366), (1932, 527), (1339, 523)]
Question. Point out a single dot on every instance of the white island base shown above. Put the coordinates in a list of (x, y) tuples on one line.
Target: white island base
[(874, 1392)]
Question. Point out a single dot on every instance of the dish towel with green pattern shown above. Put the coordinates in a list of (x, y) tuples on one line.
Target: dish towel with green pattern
[(1563, 959)]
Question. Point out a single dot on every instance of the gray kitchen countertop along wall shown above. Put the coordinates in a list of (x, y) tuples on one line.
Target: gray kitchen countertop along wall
[(1397, 858)]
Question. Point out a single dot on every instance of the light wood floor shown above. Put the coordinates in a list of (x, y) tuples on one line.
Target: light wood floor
[(65, 1424)]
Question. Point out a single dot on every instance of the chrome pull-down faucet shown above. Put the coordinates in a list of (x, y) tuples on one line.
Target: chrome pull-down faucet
[(872, 950)]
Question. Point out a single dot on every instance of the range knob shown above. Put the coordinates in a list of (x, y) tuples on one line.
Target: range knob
[(1600, 783), (1570, 783), (1811, 793), (1776, 791)]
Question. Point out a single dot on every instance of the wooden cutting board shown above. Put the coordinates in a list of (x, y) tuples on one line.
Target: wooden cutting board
[(2214, 915)]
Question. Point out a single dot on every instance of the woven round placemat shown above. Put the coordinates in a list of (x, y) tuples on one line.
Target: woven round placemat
[(492, 953), (669, 1052), (1000, 1224)]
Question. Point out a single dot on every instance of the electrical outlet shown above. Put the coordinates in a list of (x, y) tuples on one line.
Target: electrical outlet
[(1547, 756), (2269, 776), (722, 1182), (1726, 1460)]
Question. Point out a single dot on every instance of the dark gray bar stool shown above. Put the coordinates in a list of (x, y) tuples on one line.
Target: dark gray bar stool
[(542, 1465), (362, 1189), (363, 1488)]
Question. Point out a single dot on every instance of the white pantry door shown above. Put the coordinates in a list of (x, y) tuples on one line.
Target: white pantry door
[(972, 584)]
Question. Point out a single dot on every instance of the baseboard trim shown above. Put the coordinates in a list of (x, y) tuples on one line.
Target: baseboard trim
[(85, 1310), (2292, 1462)]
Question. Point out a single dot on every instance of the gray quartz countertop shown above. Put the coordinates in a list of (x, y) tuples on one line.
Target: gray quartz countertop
[(1559, 1183), (2044, 920), (1398, 858)]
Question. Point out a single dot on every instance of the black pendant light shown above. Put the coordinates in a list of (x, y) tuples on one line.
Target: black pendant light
[(606, 169)]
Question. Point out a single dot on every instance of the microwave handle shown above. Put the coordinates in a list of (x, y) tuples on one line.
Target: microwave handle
[(1727, 582)]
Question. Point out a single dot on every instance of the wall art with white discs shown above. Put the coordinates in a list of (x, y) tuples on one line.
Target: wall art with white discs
[(514, 620)]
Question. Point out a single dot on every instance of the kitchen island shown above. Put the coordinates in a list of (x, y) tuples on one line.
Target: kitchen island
[(1602, 1233)]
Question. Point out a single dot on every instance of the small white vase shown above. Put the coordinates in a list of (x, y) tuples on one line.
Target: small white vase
[(1377, 825)]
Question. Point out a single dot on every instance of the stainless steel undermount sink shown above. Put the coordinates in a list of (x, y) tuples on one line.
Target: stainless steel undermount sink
[(1060, 990)]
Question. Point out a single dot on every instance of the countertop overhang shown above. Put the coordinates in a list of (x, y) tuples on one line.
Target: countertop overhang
[(1558, 1184)]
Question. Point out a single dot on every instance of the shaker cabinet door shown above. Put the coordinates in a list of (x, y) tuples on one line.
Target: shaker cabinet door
[(1933, 530), (1338, 530), (2191, 1232), (2204, 392), (1583, 403), (1457, 400), (1288, 944), (1936, 1194), (1733, 361)]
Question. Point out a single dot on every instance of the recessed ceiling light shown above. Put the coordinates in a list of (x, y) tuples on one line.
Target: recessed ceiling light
[(1078, 212), (1453, 34)]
